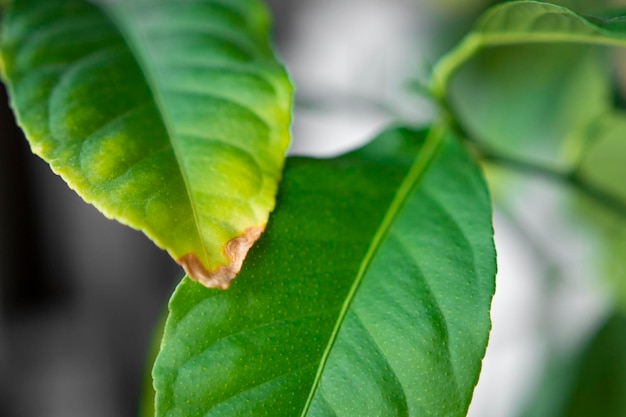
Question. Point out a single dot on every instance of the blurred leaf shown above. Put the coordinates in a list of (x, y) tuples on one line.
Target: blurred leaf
[(527, 22), (368, 295), (522, 84), (604, 167), (593, 383), (604, 162), (169, 117), (600, 384), (595, 7), (526, 101)]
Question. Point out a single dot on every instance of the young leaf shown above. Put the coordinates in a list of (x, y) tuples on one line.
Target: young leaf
[(171, 117), (525, 22), (368, 295)]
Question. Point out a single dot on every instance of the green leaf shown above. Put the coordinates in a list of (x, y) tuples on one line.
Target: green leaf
[(169, 117), (527, 22), (368, 295), (532, 81)]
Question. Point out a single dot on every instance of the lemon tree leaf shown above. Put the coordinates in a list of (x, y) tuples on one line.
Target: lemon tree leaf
[(171, 117), (368, 295), (533, 81)]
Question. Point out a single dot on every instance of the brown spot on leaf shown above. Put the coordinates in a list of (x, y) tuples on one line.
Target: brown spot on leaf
[(235, 250)]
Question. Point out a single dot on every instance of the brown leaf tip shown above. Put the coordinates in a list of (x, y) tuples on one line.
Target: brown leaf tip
[(235, 250)]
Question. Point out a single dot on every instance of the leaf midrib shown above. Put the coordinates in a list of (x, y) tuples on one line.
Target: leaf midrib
[(151, 80), (428, 152)]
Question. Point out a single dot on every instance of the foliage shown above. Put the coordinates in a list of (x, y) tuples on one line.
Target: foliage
[(369, 293), (143, 150), (357, 312)]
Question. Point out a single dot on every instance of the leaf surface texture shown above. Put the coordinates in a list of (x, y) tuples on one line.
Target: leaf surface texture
[(369, 294), (171, 117)]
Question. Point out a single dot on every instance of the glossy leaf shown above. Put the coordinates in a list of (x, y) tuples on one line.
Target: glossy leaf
[(368, 295), (171, 117)]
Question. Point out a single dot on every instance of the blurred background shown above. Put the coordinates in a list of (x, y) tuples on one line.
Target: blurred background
[(81, 296)]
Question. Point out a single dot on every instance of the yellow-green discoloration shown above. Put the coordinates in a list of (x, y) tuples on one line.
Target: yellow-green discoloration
[(172, 118)]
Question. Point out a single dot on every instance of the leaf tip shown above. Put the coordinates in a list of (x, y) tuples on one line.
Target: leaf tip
[(236, 250)]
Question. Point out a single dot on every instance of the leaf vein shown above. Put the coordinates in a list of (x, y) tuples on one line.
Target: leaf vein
[(385, 357), (435, 310), (427, 154), (253, 328), (152, 82), (261, 384)]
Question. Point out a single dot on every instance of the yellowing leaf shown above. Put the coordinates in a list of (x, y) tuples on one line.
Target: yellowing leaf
[(169, 116)]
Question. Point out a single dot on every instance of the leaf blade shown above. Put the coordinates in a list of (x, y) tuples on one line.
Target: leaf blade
[(258, 348), (157, 156), (430, 294)]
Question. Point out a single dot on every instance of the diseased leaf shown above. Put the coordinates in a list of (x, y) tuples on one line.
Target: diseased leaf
[(169, 116), (368, 295)]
